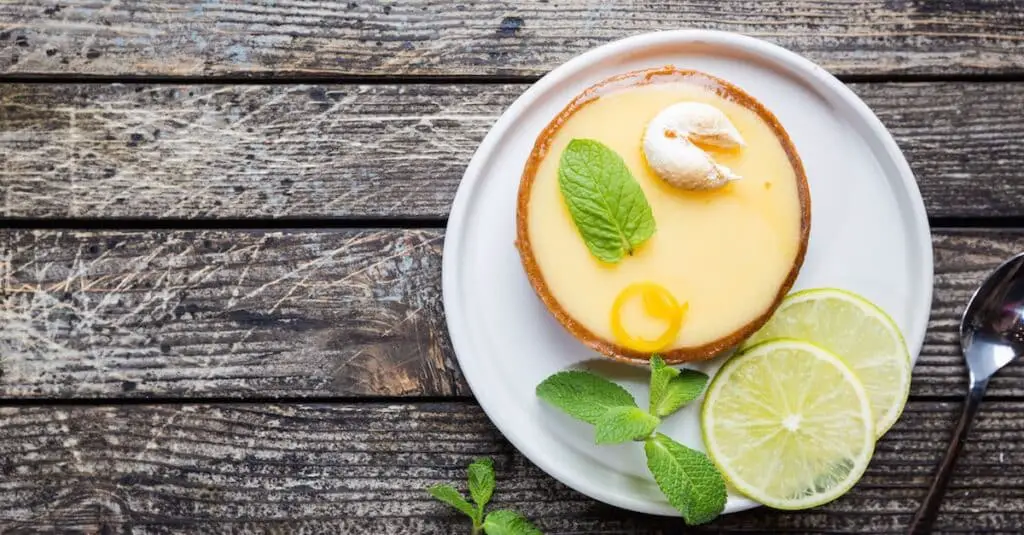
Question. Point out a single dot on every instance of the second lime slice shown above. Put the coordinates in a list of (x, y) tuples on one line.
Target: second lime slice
[(857, 331)]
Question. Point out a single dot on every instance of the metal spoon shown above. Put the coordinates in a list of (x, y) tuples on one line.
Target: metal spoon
[(991, 336)]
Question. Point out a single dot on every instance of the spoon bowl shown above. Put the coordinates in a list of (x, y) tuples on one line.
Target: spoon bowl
[(991, 336), (992, 328)]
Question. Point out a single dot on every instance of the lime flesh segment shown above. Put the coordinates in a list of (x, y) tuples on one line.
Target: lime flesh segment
[(788, 424), (856, 330)]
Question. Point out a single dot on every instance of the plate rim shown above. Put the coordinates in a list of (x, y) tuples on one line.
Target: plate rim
[(778, 55)]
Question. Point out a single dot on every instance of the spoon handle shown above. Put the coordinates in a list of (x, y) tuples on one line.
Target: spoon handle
[(922, 522)]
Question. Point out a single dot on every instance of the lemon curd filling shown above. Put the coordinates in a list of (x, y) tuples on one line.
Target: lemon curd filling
[(719, 256)]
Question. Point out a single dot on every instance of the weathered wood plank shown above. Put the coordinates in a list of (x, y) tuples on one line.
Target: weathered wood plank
[(388, 151), (239, 151), (317, 313), (224, 313), (375, 37), (363, 469)]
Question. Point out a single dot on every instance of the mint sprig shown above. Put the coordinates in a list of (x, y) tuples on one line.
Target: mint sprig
[(687, 477), (481, 488), (606, 203)]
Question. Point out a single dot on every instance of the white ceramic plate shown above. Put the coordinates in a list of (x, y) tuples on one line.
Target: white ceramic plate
[(869, 234)]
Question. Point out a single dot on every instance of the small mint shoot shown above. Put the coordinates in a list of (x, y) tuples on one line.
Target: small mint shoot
[(481, 489), (504, 522)]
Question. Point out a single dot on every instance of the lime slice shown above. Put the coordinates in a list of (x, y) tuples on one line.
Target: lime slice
[(858, 332), (788, 424)]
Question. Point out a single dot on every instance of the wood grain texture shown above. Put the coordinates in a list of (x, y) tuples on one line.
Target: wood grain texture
[(318, 313), (239, 151), (389, 151), (224, 313), (380, 37), (362, 469)]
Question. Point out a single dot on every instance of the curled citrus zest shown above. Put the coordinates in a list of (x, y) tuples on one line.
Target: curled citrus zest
[(658, 303)]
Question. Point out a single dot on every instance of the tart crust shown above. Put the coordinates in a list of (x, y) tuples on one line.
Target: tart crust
[(540, 149)]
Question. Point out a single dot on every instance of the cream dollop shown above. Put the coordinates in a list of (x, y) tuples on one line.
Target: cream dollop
[(671, 152)]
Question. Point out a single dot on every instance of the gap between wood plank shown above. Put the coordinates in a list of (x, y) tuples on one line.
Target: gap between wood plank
[(257, 400), (283, 223), (278, 78), (312, 223), (270, 78), (313, 400)]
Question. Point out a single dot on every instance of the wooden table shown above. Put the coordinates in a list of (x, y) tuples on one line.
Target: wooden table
[(221, 248)]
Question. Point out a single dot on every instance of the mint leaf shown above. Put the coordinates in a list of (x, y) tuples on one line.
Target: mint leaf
[(660, 376), (481, 482), (687, 477), (452, 497), (583, 395), (672, 388), (682, 389), (623, 424), (606, 203), (505, 522)]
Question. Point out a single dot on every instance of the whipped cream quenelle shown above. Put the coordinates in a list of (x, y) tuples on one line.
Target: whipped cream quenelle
[(671, 150)]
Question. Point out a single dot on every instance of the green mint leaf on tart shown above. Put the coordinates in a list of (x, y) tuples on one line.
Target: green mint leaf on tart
[(481, 482), (454, 498), (623, 424), (687, 478), (504, 522), (584, 395), (606, 203)]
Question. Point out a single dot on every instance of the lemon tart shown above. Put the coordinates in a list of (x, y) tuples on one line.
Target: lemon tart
[(713, 236)]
